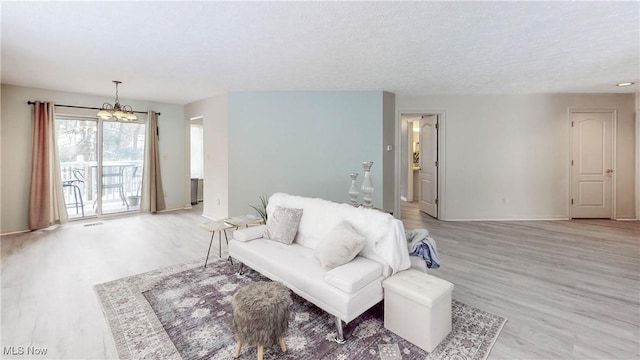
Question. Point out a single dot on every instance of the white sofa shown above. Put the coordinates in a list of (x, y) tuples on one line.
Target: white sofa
[(345, 291)]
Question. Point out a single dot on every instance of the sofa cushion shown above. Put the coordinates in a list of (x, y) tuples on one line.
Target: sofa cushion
[(289, 264), (250, 233), (339, 246), (283, 224), (295, 266), (354, 275)]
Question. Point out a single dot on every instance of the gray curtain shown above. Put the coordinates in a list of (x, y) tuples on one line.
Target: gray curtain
[(152, 191), (46, 201)]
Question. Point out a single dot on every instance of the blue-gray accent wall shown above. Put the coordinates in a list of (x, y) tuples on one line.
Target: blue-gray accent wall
[(303, 143)]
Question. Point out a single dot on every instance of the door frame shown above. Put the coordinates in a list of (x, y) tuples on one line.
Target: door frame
[(614, 131), (187, 158), (89, 114), (410, 194), (402, 137)]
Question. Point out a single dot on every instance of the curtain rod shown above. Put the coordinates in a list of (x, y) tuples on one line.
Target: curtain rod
[(85, 107)]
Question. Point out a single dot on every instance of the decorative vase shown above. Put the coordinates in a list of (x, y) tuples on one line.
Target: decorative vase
[(367, 184), (353, 190)]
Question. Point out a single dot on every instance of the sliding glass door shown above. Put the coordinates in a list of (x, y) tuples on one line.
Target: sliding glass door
[(122, 156), (101, 164), (77, 140)]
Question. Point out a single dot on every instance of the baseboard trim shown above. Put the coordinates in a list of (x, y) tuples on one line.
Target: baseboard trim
[(167, 210), (15, 232), (626, 219), (512, 219), (208, 217), (104, 217)]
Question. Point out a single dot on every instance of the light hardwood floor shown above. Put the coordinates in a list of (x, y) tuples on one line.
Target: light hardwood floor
[(569, 288)]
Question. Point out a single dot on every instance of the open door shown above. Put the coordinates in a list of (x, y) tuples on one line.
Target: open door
[(429, 165)]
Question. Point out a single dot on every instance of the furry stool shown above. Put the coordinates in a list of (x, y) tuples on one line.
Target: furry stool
[(261, 315)]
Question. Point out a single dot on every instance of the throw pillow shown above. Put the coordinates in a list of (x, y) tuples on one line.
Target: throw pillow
[(339, 246), (283, 224)]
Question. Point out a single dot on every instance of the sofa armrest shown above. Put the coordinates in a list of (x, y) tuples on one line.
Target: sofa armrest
[(354, 275), (250, 233)]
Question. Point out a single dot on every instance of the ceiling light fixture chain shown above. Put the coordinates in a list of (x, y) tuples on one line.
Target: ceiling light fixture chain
[(117, 111)]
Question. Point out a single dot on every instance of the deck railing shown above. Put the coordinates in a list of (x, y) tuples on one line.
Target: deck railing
[(121, 182)]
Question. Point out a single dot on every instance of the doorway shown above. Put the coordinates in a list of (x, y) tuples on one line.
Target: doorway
[(196, 161), (422, 163), (101, 165), (592, 183)]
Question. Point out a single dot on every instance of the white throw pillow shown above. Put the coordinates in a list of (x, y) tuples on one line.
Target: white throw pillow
[(339, 246), (283, 224)]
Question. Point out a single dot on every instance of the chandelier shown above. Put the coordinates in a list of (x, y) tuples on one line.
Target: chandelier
[(117, 111)]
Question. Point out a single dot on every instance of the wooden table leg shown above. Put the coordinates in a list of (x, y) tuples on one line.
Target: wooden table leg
[(260, 352), (238, 347)]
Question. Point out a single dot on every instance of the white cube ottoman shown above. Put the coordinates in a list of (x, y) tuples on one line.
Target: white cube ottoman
[(417, 307)]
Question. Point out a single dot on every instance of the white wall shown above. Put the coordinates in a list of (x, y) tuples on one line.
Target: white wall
[(507, 156), (214, 113), (247, 154), (389, 156), (303, 143), (16, 127), (637, 156)]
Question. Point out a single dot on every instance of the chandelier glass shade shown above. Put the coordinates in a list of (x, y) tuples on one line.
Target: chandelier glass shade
[(117, 111)]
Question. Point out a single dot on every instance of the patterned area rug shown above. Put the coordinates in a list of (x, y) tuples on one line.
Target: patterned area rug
[(184, 312)]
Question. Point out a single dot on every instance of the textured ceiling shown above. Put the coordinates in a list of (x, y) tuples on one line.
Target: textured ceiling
[(180, 52)]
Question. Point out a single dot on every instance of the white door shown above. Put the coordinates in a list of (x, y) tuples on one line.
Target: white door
[(591, 164), (428, 165)]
